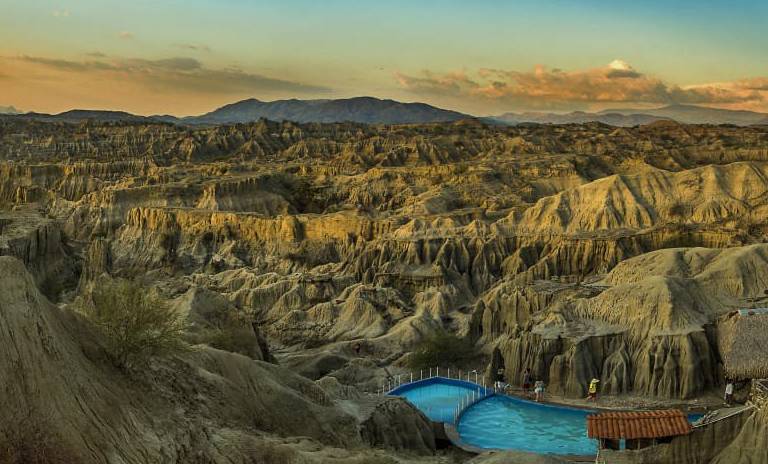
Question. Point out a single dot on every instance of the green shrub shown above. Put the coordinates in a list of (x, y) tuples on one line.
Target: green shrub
[(136, 324), (441, 349)]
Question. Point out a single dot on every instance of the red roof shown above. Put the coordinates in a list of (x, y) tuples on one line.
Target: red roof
[(631, 425)]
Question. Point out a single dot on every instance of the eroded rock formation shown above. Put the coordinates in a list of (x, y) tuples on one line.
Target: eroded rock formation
[(578, 251)]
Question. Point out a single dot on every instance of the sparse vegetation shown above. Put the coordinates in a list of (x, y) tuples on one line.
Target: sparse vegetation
[(136, 324), (441, 349)]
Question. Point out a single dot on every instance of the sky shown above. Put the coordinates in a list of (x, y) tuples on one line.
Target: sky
[(482, 57)]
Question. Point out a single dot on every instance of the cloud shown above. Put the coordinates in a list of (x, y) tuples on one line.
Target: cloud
[(175, 74), (126, 35), (60, 13), (758, 83), (67, 65), (617, 82), (194, 47)]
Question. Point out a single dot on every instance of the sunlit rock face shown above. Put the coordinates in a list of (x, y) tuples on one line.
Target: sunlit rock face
[(578, 251)]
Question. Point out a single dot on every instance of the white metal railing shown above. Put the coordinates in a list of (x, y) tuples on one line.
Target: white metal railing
[(395, 381), (477, 395)]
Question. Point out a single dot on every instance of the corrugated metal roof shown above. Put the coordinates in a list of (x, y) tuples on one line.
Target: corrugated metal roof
[(632, 425)]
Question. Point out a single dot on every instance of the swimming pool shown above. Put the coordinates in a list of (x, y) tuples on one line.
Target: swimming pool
[(504, 422), (437, 398), (501, 422)]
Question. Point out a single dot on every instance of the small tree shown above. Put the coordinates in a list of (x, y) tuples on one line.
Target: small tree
[(136, 324), (441, 349)]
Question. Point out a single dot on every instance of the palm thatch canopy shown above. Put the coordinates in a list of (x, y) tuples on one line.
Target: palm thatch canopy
[(743, 344)]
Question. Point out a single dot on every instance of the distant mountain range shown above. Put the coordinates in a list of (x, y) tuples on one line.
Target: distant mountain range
[(371, 110), (82, 115), (362, 110), (688, 114)]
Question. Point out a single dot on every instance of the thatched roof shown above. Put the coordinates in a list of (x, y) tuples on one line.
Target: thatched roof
[(743, 344)]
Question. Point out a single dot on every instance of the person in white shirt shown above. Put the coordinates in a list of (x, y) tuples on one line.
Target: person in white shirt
[(729, 393)]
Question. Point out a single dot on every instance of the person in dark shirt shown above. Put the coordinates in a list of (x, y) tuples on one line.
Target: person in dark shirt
[(527, 380)]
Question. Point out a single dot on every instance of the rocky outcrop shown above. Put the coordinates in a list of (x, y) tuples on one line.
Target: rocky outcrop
[(49, 374), (396, 424), (213, 320), (40, 244), (648, 328), (751, 442)]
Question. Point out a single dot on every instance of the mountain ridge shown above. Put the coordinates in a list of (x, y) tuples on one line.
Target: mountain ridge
[(627, 117), (367, 110), (372, 110)]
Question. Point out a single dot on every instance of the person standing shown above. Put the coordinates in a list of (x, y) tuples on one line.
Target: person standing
[(527, 380), (592, 396), (539, 390), (729, 393)]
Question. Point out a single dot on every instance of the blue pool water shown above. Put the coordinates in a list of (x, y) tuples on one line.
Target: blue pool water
[(437, 400), (510, 423), (503, 422)]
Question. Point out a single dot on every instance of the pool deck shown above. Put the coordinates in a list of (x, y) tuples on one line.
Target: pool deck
[(582, 404)]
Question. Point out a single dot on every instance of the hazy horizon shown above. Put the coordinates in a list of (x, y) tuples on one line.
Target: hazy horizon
[(560, 112), (490, 57)]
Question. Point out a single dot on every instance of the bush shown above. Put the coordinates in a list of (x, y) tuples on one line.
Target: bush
[(135, 324), (441, 349)]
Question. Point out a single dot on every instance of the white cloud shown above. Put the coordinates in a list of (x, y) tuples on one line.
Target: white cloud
[(542, 87), (619, 65)]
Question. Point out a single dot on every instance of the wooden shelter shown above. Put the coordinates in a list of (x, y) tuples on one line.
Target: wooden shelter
[(637, 429)]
